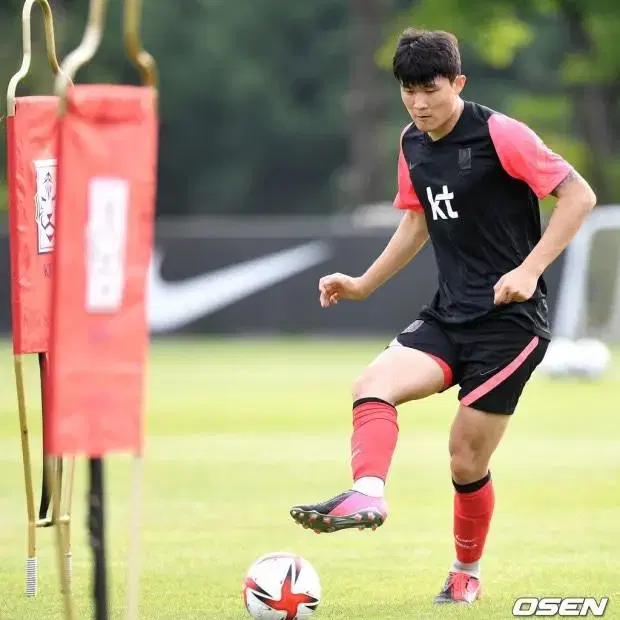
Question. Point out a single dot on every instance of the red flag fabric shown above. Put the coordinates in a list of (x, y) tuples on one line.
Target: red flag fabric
[(31, 173), (107, 159)]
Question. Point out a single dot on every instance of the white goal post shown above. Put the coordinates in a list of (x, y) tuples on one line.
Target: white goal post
[(572, 317)]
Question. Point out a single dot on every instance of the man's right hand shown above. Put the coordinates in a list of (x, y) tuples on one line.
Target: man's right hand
[(339, 286)]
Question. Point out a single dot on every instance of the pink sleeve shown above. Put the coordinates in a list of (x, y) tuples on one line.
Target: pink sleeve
[(525, 156), (406, 198)]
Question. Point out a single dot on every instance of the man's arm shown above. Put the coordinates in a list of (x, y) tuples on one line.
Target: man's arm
[(407, 240), (525, 156), (405, 243), (575, 199)]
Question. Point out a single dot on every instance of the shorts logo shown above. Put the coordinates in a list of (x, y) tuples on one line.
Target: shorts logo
[(444, 196), (45, 204), (413, 327)]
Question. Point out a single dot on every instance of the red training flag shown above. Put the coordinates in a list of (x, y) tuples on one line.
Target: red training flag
[(107, 159), (31, 172)]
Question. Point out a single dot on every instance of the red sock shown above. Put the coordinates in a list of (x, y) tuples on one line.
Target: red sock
[(375, 431), (473, 509)]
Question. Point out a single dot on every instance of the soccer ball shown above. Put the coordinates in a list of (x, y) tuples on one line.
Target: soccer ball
[(594, 358), (586, 358), (560, 359), (281, 586)]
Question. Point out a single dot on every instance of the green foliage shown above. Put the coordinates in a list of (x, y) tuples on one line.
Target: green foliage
[(496, 43), (601, 64), (265, 125), (499, 43), (252, 115)]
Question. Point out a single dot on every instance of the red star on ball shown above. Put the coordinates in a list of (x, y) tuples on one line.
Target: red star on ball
[(288, 601)]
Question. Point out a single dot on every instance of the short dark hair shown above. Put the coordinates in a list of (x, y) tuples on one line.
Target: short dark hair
[(423, 55)]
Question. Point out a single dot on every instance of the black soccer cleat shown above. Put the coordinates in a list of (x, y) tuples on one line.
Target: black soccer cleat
[(348, 510)]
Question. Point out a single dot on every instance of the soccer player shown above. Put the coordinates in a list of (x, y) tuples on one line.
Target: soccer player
[(470, 179)]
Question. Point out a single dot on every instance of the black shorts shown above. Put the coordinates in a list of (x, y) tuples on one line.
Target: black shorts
[(490, 360)]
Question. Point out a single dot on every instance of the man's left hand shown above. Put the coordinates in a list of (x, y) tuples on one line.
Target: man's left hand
[(516, 285)]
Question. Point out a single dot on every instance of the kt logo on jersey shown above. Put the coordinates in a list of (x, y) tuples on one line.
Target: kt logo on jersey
[(442, 211)]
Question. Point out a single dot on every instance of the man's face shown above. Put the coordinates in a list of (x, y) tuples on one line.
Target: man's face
[(431, 105)]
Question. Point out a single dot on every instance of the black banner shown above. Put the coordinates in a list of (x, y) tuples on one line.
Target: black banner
[(223, 277)]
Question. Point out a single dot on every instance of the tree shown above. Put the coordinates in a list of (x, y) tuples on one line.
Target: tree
[(252, 114)]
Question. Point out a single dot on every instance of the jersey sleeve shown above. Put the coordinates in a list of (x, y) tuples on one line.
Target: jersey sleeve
[(525, 156), (406, 198)]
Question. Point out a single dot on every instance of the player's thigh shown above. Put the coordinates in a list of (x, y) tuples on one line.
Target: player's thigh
[(494, 368), (475, 434), (416, 364)]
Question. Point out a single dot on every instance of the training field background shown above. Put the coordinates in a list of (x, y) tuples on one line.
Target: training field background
[(240, 430)]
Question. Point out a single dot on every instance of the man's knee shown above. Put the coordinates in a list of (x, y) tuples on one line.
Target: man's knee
[(399, 375), (369, 385), (469, 458), (466, 466), (474, 438)]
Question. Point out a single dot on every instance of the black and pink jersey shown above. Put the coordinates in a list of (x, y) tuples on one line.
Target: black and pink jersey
[(479, 188)]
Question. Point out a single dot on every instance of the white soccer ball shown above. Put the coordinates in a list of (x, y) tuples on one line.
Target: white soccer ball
[(593, 358), (560, 359), (281, 586), (585, 358)]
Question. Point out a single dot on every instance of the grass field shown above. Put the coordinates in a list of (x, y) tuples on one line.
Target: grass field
[(239, 431)]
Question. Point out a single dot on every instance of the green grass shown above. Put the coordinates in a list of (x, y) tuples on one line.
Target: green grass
[(239, 431)]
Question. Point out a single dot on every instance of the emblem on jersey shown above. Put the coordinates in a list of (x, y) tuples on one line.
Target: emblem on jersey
[(45, 204), (465, 159), (441, 204)]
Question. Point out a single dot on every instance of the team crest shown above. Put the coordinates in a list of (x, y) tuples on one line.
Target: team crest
[(45, 203)]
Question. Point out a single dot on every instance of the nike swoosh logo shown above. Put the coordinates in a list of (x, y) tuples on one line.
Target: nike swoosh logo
[(174, 304)]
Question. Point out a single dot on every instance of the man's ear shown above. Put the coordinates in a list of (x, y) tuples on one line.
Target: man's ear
[(459, 84)]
